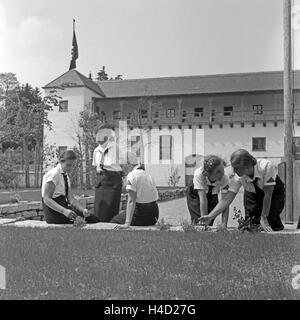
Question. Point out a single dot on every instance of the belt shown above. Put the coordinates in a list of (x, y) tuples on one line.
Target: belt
[(148, 204), (109, 172)]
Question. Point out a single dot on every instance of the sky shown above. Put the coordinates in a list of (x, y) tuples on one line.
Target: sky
[(143, 38)]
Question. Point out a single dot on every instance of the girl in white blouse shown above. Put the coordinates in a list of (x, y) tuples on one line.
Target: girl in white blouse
[(202, 194)]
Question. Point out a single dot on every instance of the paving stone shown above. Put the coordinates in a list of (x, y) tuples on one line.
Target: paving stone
[(36, 205), (23, 207), (9, 208)]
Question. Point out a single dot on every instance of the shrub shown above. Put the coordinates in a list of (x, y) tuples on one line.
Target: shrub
[(8, 177), (174, 177), (188, 227), (162, 225), (245, 224)]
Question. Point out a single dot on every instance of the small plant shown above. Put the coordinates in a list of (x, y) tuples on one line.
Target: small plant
[(174, 177), (188, 227), (245, 224), (162, 225), (15, 198), (79, 222)]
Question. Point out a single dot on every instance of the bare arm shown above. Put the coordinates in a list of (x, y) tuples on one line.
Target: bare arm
[(267, 200), (130, 206), (48, 199), (203, 202), (266, 208), (75, 203), (225, 213), (221, 207)]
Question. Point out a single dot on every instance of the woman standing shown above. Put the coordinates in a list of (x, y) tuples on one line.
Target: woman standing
[(264, 195), (109, 181), (202, 193), (142, 208)]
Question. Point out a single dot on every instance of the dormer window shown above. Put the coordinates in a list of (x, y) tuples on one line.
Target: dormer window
[(63, 106)]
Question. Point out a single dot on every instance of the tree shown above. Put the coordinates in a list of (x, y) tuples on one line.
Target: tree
[(103, 76), (8, 82), (89, 125), (140, 120), (24, 114)]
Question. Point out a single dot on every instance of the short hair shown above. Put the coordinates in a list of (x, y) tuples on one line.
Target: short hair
[(242, 159), (211, 162), (67, 155)]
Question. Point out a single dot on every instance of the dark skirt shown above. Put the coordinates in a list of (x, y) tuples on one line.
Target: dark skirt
[(145, 214), (253, 203), (54, 217), (193, 203), (107, 195)]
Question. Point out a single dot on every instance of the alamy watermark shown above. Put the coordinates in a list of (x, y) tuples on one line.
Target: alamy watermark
[(296, 17), (185, 142), (296, 278), (2, 278)]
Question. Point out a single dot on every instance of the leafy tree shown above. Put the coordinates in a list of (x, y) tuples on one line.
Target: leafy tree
[(23, 116), (89, 125), (103, 76)]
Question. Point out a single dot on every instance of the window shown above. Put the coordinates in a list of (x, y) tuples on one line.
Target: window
[(135, 145), (228, 111), (184, 115), (297, 147), (62, 149), (128, 118), (258, 109), (198, 112), (117, 115), (165, 147), (212, 115), (258, 144), (144, 114), (63, 106), (171, 113), (103, 116), (156, 114)]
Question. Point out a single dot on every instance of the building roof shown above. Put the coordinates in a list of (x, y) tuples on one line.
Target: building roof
[(208, 84), (73, 78), (189, 85)]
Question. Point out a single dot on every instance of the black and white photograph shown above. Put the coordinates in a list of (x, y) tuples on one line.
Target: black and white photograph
[(150, 153)]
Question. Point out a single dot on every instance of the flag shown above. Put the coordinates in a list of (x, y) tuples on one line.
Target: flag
[(75, 53)]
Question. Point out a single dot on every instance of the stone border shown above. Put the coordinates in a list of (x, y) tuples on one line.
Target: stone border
[(111, 227)]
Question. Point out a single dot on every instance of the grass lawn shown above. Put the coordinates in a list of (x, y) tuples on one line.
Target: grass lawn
[(81, 264)]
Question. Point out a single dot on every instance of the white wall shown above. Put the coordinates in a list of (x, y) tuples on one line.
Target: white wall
[(220, 141), (65, 124)]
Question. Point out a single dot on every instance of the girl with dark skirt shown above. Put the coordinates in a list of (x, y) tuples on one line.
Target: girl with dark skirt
[(142, 208), (108, 182), (202, 193), (264, 192), (59, 204)]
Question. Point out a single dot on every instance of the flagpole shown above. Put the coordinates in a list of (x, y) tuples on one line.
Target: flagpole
[(288, 110)]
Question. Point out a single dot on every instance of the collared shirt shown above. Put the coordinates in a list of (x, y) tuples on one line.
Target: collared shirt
[(265, 173), (201, 182), (143, 184), (109, 162), (55, 175)]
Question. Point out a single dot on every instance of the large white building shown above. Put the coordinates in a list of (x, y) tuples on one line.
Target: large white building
[(183, 117)]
